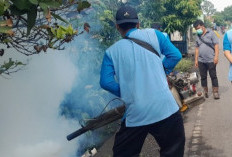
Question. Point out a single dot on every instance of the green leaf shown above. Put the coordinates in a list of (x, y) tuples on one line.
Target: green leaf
[(1, 8), (15, 11), (83, 5), (6, 40), (60, 33), (34, 2), (53, 31), (7, 5), (31, 19), (8, 65), (4, 5), (22, 4), (70, 30), (49, 4), (44, 6), (4, 29), (19, 63), (86, 4), (2, 23), (63, 28), (59, 18)]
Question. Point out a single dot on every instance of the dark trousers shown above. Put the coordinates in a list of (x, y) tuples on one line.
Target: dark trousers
[(211, 67), (169, 134)]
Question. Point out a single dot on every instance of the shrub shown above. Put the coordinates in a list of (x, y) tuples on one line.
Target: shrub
[(184, 65)]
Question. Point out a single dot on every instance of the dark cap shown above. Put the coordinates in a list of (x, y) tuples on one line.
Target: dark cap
[(126, 14)]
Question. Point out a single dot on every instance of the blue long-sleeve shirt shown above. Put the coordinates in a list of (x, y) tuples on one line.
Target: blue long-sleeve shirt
[(137, 76), (107, 81), (227, 45)]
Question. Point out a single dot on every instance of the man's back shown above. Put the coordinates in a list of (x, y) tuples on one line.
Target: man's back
[(135, 74), (143, 84)]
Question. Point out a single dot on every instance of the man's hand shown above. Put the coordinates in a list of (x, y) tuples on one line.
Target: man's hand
[(215, 60), (196, 63), (228, 55)]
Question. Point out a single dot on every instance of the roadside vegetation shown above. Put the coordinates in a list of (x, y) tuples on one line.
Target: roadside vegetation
[(185, 65)]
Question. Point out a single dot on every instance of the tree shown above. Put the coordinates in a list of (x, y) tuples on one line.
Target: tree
[(219, 19), (227, 13), (151, 12), (180, 14), (105, 12), (32, 26), (208, 8), (208, 23), (172, 14)]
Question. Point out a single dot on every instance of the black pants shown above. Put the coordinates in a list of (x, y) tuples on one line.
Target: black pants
[(169, 134), (211, 67)]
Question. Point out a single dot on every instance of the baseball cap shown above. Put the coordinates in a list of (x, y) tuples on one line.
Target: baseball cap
[(126, 14)]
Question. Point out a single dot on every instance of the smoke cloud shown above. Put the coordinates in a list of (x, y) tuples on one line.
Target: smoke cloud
[(29, 108), (42, 104)]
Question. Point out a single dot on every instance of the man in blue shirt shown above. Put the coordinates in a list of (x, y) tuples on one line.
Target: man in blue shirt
[(137, 76), (227, 48)]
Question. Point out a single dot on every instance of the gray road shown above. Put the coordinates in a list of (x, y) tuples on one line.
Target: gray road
[(208, 126), (211, 122)]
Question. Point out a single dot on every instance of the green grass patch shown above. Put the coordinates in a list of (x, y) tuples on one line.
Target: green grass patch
[(184, 65)]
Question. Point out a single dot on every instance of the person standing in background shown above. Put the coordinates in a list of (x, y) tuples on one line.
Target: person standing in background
[(206, 56)]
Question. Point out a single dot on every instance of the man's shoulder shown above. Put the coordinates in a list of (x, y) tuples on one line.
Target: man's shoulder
[(146, 31), (117, 44), (211, 32), (229, 32), (228, 36)]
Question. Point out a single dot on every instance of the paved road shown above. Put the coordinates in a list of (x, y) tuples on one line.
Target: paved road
[(211, 122), (208, 126)]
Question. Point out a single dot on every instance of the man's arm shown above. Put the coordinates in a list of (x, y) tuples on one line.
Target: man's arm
[(171, 53), (196, 56), (216, 47), (228, 55), (227, 48), (107, 80)]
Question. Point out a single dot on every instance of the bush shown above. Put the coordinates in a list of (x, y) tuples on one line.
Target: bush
[(184, 65)]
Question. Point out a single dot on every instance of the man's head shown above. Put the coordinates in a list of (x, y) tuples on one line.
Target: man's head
[(126, 18), (199, 26)]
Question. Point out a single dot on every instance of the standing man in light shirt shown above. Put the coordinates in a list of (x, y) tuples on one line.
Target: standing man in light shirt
[(137, 76), (227, 48), (206, 56)]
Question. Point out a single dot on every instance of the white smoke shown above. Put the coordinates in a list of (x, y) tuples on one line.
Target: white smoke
[(29, 109)]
